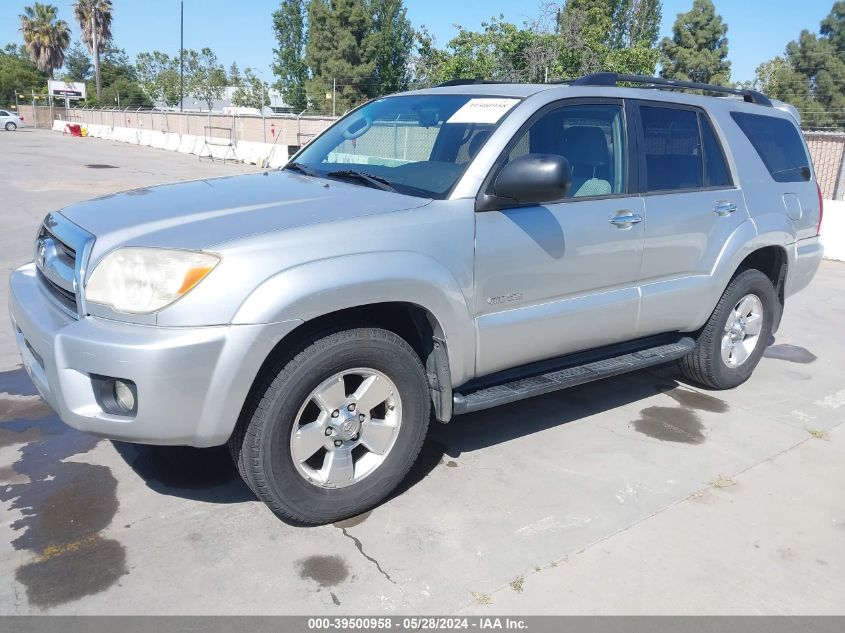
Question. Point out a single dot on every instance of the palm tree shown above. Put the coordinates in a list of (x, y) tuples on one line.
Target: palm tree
[(94, 17), (46, 38)]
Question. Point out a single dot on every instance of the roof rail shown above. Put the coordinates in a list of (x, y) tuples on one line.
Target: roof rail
[(612, 79), (465, 82)]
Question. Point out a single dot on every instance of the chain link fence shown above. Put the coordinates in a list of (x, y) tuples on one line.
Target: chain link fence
[(828, 152)]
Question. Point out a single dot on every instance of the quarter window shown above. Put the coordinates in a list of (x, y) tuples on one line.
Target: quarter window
[(778, 144), (590, 137)]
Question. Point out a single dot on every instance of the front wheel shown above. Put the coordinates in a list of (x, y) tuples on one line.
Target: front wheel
[(338, 427), (733, 340), (11, 127)]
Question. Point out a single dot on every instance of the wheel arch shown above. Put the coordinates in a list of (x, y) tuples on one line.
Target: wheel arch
[(772, 261)]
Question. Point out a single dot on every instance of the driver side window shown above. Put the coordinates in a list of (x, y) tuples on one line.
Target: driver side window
[(590, 137)]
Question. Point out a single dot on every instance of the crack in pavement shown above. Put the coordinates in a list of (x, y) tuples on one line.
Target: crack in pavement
[(360, 547)]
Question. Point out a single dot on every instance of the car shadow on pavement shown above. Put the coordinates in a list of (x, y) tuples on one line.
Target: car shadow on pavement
[(199, 474), (209, 475), (482, 429), (446, 442)]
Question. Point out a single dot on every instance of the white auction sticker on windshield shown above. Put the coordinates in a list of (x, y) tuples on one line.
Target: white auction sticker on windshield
[(482, 110)]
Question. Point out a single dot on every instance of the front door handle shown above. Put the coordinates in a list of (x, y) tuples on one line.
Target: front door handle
[(626, 220), (723, 208)]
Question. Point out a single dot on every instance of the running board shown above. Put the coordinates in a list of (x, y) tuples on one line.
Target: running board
[(570, 376)]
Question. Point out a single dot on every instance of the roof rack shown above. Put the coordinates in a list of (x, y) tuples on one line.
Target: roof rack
[(612, 79), (465, 82)]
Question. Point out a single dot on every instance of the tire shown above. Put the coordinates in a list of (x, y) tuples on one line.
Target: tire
[(706, 364), (11, 127), (311, 492)]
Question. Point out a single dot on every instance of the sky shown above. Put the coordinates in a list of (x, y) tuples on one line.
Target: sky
[(242, 31)]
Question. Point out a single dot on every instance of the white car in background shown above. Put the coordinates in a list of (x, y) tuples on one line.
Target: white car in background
[(10, 121)]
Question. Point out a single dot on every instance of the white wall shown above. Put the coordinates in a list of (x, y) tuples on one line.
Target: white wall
[(833, 230), (254, 153)]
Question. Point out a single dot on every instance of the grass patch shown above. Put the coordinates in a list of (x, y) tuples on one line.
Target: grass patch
[(722, 482), (517, 584), (482, 599), (818, 434)]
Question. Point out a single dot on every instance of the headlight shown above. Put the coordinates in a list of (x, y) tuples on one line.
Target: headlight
[(144, 280)]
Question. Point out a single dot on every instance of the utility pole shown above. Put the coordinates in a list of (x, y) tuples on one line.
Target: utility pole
[(95, 46), (34, 112), (334, 95), (182, 56)]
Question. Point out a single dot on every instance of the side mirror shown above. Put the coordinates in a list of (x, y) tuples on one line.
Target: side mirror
[(534, 179)]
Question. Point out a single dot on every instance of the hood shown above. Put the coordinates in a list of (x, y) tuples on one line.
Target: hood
[(203, 213)]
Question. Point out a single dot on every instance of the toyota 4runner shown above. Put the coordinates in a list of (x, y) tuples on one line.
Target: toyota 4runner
[(432, 253)]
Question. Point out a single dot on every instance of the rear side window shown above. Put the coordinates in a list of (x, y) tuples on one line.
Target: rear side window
[(778, 144), (4, 113), (672, 148), (716, 172)]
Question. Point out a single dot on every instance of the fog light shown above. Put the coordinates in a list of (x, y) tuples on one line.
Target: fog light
[(124, 396)]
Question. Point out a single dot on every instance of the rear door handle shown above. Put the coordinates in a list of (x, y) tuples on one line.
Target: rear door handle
[(723, 208), (626, 220)]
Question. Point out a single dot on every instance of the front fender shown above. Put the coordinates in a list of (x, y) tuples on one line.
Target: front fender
[(324, 286)]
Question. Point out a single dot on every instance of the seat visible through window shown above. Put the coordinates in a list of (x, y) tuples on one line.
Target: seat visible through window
[(590, 137)]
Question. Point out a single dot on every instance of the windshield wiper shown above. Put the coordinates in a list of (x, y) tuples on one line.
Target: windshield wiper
[(373, 181), (302, 169)]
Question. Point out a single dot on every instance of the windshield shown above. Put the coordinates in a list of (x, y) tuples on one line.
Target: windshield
[(417, 144)]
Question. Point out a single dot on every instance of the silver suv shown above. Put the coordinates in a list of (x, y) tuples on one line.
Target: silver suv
[(444, 250)]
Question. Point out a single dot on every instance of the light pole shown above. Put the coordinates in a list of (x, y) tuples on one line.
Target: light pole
[(182, 56)]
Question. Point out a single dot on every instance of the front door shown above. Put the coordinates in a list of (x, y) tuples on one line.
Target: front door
[(559, 278)]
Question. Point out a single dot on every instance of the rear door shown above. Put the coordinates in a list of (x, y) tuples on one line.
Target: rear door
[(692, 206), (557, 278)]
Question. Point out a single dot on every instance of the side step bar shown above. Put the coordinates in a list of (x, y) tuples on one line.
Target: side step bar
[(488, 397)]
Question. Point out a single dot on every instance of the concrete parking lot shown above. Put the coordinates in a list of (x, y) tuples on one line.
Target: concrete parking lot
[(638, 494)]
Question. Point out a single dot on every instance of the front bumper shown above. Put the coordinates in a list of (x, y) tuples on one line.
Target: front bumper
[(191, 382)]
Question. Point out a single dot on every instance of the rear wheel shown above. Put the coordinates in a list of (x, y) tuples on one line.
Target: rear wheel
[(338, 427), (11, 126), (733, 340)]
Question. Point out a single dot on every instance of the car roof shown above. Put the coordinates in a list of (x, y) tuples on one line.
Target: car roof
[(563, 91)]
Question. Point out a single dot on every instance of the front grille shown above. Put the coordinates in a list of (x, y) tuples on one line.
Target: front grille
[(64, 297), (56, 257)]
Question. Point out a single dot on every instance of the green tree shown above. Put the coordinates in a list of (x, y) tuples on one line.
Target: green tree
[(45, 36), (634, 23), (253, 93), (339, 53), (77, 64), (18, 73), (94, 18), (120, 81), (235, 78), (608, 35), (811, 74), (158, 75), (289, 63), (494, 53), (698, 49), (392, 40), (207, 76)]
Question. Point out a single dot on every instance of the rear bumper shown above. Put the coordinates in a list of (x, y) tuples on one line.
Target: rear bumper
[(191, 382), (806, 258)]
